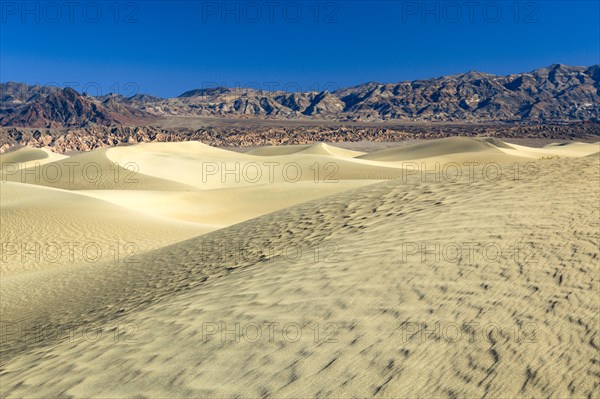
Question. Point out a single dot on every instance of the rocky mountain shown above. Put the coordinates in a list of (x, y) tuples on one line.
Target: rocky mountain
[(552, 94), (54, 107), (143, 99), (12, 93), (555, 94)]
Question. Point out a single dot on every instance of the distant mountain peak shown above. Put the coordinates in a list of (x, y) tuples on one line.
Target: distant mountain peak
[(205, 92), (556, 93), (66, 107)]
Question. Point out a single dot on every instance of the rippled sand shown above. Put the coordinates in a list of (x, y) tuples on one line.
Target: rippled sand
[(386, 281)]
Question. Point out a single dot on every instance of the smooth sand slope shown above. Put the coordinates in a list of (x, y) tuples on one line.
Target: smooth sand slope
[(204, 167), (46, 228), (453, 145), (483, 150), (226, 206), (319, 148), (85, 171), (192, 182), (350, 293), (63, 211), (29, 156)]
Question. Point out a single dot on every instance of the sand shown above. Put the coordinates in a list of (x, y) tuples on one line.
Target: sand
[(388, 282)]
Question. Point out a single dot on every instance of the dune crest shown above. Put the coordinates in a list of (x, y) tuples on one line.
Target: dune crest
[(28, 156), (381, 282)]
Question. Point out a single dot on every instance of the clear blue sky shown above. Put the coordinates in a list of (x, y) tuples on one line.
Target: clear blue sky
[(165, 48)]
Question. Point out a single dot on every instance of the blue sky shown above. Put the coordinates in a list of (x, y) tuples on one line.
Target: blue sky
[(165, 48)]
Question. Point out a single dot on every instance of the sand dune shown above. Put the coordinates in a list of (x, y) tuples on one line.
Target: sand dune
[(226, 206), (46, 228), (195, 164), (344, 281), (279, 150), (319, 148), (111, 209), (483, 149), (557, 150), (436, 148), (87, 171), (26, 155)]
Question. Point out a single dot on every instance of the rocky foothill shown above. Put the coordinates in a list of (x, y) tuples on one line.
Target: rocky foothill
[(86, 139)]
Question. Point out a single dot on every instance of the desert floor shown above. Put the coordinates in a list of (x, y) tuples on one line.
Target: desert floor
[(460, 267)]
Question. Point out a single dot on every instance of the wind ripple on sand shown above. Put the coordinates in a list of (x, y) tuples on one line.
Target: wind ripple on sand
[(371, 294)]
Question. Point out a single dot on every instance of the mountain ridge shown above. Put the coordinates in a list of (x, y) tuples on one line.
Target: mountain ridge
[(556, 93)]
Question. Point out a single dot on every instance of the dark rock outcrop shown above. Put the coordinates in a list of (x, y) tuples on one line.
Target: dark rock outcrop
[(92, 137)]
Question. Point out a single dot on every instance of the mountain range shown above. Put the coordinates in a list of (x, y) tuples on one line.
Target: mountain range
[(558, 93)]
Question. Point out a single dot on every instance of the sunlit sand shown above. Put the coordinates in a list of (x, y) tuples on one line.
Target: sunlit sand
[(459, 267)]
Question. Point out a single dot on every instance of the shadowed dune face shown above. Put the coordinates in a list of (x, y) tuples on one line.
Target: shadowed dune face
[(25, 155), (43, 228), (320, 148), (28, 156), (85, 171), (433, 149), (409, 287)]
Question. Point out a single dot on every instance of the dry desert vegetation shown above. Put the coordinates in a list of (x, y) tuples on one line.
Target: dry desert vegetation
[(459, 267)]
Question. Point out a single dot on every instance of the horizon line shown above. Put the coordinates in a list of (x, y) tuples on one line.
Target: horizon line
[(248, 87)]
